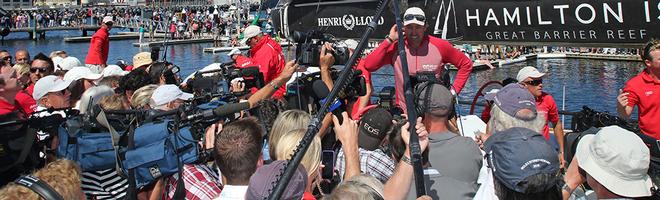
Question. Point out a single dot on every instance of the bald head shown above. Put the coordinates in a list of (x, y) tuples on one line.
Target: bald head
[(22, 57)]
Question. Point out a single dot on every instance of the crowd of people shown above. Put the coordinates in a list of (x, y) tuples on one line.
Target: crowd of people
[(362, 153)]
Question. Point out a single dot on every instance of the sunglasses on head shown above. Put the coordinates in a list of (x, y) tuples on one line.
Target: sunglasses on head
[(534, 82), (417, 17), (38, 70)]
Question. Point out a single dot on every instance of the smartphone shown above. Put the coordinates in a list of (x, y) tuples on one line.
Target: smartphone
[(328, 160)]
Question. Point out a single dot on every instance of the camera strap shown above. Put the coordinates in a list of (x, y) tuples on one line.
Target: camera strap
[(103, 120), (38, 186)]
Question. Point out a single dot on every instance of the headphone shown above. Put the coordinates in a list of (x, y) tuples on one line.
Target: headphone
[(38, 186), (422, 104)]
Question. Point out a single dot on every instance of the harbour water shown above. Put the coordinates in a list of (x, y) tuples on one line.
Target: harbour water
[(592, 83)]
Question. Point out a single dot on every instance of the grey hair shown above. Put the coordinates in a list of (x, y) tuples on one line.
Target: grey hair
[(92, 96), (142, 96), (362, 186), (500, 121)]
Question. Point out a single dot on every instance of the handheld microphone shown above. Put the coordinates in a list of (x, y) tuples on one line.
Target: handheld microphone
[(321, 90), (223, 110)]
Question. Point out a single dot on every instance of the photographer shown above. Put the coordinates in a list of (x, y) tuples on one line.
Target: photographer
[(424, 53)]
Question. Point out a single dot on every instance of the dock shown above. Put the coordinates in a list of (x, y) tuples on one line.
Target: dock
[(119, 36), (228, 49), (481, 65), (173, 42)]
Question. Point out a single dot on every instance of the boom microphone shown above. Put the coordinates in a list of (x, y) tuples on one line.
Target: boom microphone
[(223, 110), (321, 90)]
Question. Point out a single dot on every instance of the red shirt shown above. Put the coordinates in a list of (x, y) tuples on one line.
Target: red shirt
[(430, 56), (6, 107), (98, 48), (267, 54), (546, 107), (367, 79), (26, 102), (308, 196), (645, 94)]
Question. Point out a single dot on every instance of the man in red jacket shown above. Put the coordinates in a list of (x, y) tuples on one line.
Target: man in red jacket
[(423, 52), (97, 55), (266, 53)]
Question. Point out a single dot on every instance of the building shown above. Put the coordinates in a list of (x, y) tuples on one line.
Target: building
[(15, 4)]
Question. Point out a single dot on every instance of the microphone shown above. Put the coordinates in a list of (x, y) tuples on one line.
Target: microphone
[(321, 90), (223, 110)]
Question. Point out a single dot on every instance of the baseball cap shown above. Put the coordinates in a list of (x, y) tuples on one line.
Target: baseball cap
[(439, 101), (141, 59), (528, 72), (107, 19), (262, 182), (517, 153), (617, 159), (168, 93), (77, 73), (56, 62), (68, 63), (250, 32), (50, 83), (374, 125), (113, 70), (414, 15), (234, 52), (513, 98)]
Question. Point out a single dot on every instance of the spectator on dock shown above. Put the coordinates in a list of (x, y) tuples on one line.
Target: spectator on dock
[(642, 91), (530, 78), (97, 56)]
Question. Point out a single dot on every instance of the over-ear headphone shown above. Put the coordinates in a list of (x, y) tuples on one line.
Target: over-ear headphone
[(422, 104), (38, 186)]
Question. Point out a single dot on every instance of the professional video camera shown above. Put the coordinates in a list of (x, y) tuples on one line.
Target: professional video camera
[(216, 79), (387, 100), (312, 42)]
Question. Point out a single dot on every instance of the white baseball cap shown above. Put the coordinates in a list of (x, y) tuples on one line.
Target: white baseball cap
[(234, 52), (528, 72), (250, 32), (56, 62), (415, 12), (46, 84), (618, 160), (351, 43), (168, 93), (107, 19), (113, 70), (77, 73), (69, 63)]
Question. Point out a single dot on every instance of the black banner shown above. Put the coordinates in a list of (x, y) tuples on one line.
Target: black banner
[(497, 21), (570, 21)]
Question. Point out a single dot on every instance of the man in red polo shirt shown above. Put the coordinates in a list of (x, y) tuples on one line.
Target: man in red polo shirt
[(532, 80), (643, 91)]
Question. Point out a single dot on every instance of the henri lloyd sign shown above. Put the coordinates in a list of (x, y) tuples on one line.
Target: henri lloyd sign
[(622, 21), (347, 21)]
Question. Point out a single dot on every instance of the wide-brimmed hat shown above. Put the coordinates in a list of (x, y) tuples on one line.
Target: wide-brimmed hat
[(141, 59), (618, 159)]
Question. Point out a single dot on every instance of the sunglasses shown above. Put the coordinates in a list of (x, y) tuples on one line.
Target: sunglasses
[(417, 17), (38, 70), (534, 82), (8, 58)]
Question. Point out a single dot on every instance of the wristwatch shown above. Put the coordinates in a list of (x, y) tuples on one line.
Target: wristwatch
[(275, 86), (389, 39), (405, 159)]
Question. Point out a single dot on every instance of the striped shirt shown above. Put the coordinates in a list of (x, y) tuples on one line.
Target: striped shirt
[(201, 182), (375, 163), (104, 184)]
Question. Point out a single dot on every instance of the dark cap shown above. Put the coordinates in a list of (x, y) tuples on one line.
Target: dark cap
[(374, 125), (439, 101), (265, 178), (517, 153), (513, 98)]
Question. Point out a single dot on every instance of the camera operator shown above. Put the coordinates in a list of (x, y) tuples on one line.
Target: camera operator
[(326, 60), (424, 53), (266, 53)]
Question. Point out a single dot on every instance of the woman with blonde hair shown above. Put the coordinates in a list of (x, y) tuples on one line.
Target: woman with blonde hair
[(284, 123), (311, 160), (62, 175), (141, 96)]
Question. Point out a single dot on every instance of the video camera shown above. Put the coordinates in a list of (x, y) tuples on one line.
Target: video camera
[(309, 52), (217, 80)]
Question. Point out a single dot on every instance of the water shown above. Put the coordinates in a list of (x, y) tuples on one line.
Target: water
[(592, 83)]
